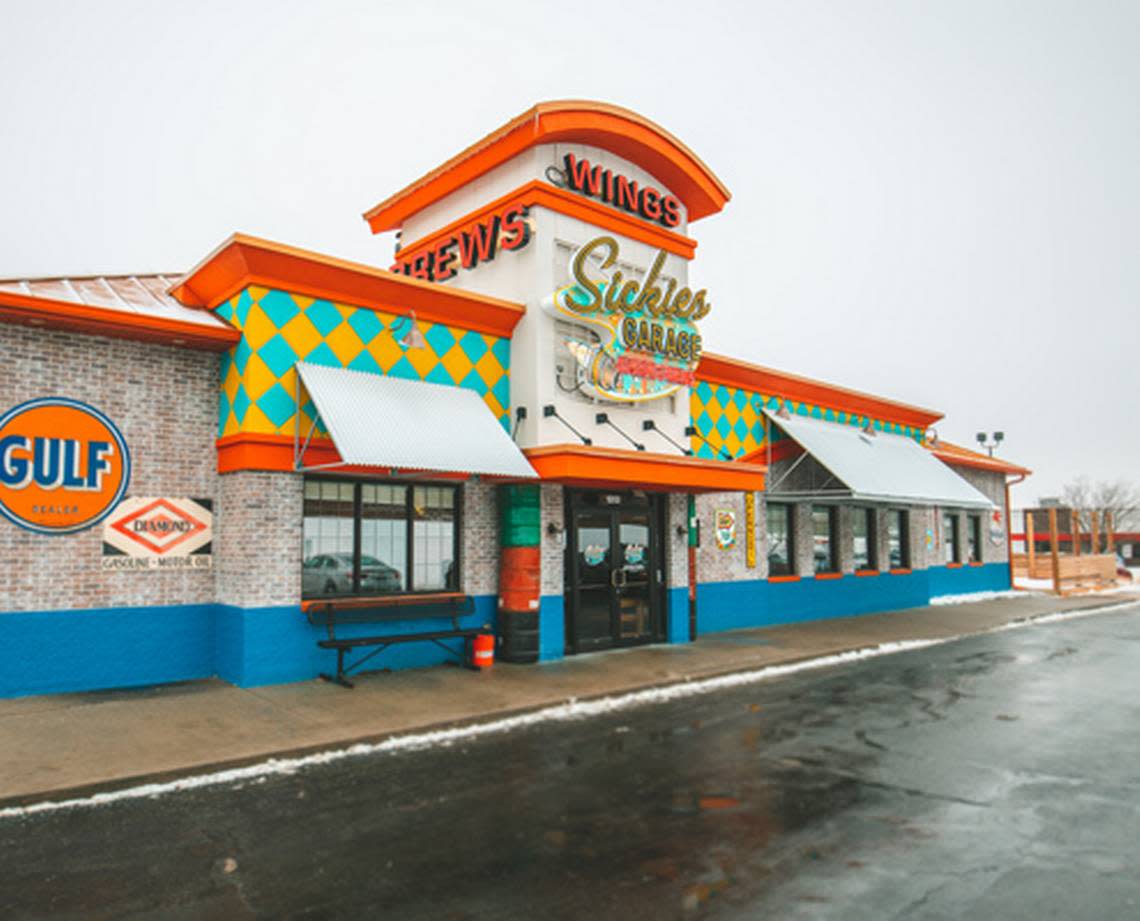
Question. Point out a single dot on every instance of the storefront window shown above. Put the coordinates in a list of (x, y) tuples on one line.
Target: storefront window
[(434, 538), (781, 543), (974, 538), (383, 538), (863, 527), (950, 539), (357, 539), (898, 538), (823, 539), (329, 539)]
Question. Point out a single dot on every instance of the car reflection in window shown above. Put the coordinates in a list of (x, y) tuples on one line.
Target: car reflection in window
[(331, 574)]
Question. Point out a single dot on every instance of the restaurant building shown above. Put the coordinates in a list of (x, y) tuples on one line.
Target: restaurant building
[(518, 412)]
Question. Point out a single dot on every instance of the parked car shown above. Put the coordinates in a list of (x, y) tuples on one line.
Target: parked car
[(331, 574), (378, 577)]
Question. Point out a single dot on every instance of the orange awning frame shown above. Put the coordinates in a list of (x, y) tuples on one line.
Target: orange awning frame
[(591, 467)]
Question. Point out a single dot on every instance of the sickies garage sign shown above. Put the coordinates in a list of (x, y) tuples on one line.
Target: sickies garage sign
[(645, 343), (64, 466), (150, 532)]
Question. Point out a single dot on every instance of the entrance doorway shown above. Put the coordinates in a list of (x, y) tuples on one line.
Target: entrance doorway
[(614, 570)]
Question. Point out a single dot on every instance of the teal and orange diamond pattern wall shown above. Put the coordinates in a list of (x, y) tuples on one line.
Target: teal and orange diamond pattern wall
[(279, 329), (730, 423)]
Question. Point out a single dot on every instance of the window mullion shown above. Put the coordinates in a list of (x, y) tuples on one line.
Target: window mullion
[(357, 514), (409, 515), (456, 525)]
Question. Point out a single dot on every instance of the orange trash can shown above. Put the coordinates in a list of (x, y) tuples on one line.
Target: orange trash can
[(483, 650)]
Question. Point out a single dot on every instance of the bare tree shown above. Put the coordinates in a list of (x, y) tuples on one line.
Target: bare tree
[(1119, 497)]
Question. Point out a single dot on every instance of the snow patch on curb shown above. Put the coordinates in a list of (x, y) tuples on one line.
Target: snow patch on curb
[(971, 597), (572, 709)]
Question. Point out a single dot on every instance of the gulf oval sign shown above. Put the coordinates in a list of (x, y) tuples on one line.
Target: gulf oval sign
[(63, 465)]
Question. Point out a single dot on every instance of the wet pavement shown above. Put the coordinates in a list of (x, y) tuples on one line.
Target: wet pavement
[(63, 745), (996, 777)]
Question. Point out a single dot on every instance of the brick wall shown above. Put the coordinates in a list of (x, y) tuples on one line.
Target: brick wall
[(257, 550), (479, 540), (992, 486), (715, 564), (677, 553), (164, 401), (553, 545)]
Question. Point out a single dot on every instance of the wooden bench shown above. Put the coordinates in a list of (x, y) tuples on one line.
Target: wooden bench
[(331, 613)]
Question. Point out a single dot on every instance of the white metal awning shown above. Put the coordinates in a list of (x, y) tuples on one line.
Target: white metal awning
[(397, 424), (876, 468)]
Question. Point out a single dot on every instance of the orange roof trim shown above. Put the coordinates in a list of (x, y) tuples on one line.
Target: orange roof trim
[(98, 320), (596, 124), (614, 468), (957, 456), (719, 369), (242, 261)]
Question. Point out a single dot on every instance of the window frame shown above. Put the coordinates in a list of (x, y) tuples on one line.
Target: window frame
[(409, 486), (952, 550), (871, 523), (903, 519), (832, 539), (790, 512)]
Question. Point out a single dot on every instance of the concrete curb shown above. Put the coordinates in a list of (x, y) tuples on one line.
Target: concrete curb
[(84, 791)]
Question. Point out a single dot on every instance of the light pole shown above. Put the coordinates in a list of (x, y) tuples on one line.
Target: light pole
[(999, 437)]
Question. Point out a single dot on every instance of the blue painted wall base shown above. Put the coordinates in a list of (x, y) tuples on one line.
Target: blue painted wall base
[(51, 652), (759, 603), (551, 628), (990, 577), (677, 625)]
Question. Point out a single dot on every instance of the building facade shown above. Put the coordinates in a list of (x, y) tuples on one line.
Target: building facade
[(518, 411)]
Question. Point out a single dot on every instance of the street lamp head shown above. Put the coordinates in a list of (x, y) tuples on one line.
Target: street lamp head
[(981, 436), (999, 437)]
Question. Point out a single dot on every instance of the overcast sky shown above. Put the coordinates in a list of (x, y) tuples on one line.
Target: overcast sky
[(933, 201)]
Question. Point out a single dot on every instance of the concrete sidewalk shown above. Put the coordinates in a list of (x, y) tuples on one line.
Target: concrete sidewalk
[(78, 743)]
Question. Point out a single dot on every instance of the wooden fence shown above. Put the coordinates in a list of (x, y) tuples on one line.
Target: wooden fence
[(1069, 572)]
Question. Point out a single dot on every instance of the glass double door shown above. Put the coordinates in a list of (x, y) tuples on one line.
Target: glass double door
[(613, 571)]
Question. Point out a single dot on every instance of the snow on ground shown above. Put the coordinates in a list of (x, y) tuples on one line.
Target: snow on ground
[(971, 597), (1046, 585), (1038, 585)]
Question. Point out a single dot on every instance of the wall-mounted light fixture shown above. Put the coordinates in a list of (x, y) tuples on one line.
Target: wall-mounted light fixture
[(520, 415), (551, 411), (722, 453), (604, 419), (413, 338), (650, 426)]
